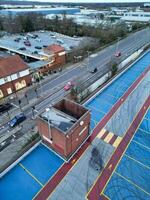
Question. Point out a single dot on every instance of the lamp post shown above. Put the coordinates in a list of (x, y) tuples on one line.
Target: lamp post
[(117, 44), (49, 121), (88, 62)]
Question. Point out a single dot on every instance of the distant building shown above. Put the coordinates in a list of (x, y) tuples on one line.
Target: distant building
[(43, 11), (136, 16), (14, 75), (64, 126)]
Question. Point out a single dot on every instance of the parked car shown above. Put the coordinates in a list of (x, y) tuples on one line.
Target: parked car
[(68, 86), (38, 47), (27, 43), (17, 39), (22, 48), (5, 107), (17, 120), (118, 54)]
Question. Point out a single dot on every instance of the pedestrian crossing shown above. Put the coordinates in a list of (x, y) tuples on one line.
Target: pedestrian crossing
[(109, 137)]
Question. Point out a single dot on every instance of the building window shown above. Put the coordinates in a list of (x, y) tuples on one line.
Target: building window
[(23, 83), (5, 79), (18, 86), (9, 90), (1, 94)]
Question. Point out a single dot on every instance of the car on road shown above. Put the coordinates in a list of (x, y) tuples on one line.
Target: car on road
[(118, 54), (22, 48), (94, 70), (5, 107), (38, 47), (17, 120), (68, 86)]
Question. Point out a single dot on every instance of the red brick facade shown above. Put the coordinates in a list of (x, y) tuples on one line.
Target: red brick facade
[(4, 88)]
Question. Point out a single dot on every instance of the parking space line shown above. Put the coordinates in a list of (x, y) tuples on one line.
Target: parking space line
[(31, 175), (144, 131), (132, 183), (141, 144), (92, 107), (137, 161)]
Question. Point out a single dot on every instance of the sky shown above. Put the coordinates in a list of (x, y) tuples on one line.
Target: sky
[(92, 1)]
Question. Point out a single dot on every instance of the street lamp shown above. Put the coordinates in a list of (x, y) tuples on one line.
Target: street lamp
[(49, 122), (117, 45), (88, 62)]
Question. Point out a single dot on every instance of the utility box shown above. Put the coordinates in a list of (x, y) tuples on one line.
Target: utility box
[(64, 127)]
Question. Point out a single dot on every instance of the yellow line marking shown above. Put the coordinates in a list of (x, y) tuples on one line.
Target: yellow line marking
[(117, 142), (144, 131), (132, 183), (106, 196), (116, 150), (108, 137), (137, 161), (101, 133), (92, 107), (31, 175), (141, 144)]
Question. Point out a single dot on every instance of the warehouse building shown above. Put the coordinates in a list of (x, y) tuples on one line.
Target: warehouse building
[(14, 75), (136, 16), (64, 127)]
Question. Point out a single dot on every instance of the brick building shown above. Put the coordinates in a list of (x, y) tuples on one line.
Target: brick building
[(58, 57), (64, 126), (14, 75)]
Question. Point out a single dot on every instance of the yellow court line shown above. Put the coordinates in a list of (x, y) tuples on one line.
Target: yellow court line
[(108, 137), (92, 107), (132, 183), (117, 142), (106, 196), (141, 144), (137, 161), (115, 151), (144, 131), (101, 133), (31, 175)]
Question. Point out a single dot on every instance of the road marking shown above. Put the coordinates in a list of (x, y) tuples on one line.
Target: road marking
[(15, 105), (31, 175), (141, 144), (132, 183), (137, 161)]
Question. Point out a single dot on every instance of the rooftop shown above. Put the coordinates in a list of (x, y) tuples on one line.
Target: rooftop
[(11, 65), (59, 119)]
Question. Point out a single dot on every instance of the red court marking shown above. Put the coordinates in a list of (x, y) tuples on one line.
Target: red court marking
[(61, 173), (113, 139), (97, 189), (105, 134)]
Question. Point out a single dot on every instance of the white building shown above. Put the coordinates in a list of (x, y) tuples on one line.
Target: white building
[(136, 16)]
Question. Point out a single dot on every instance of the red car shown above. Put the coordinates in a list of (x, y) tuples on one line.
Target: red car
[(118, 54), (68, 86)]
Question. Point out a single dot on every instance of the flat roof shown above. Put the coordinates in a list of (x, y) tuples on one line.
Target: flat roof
[(45, 38), (37, 64), (58, 119)]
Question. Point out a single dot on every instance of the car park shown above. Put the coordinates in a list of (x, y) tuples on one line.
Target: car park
[(5, 107), (17, 120)]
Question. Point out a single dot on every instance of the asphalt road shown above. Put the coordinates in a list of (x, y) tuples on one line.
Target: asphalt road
[(99, 60)]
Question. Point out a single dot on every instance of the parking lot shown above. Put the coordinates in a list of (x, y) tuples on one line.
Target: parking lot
[(33, 44)]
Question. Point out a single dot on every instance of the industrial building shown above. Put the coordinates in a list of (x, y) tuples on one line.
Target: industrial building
[(136, 16), (14, 75), (43, 11), (64, 126)]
